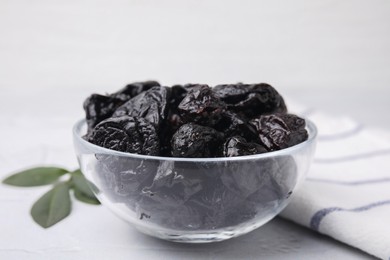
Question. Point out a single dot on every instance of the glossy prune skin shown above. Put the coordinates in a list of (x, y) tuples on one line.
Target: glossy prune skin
[(251, 99), (126, 134), (151, 105), (195, 141), (232, 93), (98, 107), (133, 89), (201, 106), (238, 146), (279, 131), (234, 124)]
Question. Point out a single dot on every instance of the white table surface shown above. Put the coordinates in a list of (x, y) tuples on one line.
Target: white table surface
[(328, 55)]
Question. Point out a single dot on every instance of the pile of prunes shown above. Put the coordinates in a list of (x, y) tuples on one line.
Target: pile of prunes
[(194, 121)]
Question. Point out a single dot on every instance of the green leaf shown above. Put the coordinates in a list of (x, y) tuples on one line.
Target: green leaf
[(82, 190), (81, 183), (85, 198), (53, 206), (35, 177)]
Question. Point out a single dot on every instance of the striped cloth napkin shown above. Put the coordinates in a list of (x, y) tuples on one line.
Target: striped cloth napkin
[(347, 191)]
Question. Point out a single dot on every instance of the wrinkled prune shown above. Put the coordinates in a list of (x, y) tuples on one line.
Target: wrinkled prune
[(282, 177), (246, 179), (294, 122), (123, 178), (232, 93), (201, 106), (238, 146), (98, 107), (280, 131), (172, 187), (192, 140), (220, 207), (133, 89), (126, 134), (233, 124), (251, 100), (260, 181), (151, 105)]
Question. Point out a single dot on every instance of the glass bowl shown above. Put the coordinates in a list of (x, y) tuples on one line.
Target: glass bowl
[(194, 200)]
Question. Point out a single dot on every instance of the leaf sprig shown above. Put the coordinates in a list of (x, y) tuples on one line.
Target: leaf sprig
[(54, 205)]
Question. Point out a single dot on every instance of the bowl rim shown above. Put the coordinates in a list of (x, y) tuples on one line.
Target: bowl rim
[(310, 127)]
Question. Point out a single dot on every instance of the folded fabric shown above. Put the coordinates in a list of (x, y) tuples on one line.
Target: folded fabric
[(347, 191)]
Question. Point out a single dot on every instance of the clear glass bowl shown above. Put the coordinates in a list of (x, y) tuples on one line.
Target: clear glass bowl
[(194, 200)]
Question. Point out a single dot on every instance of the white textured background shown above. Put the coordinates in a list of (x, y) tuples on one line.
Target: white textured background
[(331, 55), (51, 47)]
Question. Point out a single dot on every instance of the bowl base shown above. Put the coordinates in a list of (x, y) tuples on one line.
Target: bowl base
[(199, 237)]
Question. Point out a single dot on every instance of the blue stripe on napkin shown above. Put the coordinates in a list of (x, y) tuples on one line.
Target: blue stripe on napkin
[(319, 215)]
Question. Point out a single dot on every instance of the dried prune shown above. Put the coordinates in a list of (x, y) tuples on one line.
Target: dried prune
[(238, 146), (246, 179), (98, 107), (251, 100), (233, 124), (261, 181), (280, 131), (232, 93), (123, 178), (201, 106), (151, 105), (294, 122), (133, 89), (192, 140), (281, 174), (126, 134), (220, 207), (173, 187)]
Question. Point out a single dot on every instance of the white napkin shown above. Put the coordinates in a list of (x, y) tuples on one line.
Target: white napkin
[(347, 191)]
